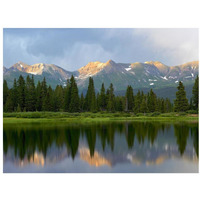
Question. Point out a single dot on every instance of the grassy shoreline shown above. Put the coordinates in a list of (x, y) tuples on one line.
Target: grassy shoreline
[(31, 117)]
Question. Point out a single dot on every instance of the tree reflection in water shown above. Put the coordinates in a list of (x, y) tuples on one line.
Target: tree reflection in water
[(26, 140)]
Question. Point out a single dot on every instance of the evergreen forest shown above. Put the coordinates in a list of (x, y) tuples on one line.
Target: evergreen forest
[(26, 96)]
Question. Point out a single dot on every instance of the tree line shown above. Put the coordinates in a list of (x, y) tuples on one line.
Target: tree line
[(26, 96)]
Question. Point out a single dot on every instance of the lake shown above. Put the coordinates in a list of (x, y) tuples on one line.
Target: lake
[(105, 147)]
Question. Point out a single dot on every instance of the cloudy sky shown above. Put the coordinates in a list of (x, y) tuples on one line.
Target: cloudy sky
[(74, 48)]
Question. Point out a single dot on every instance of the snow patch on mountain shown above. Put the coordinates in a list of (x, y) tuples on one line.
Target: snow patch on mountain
[(194, 67), (164, 77), (34, 73), (127, 69)]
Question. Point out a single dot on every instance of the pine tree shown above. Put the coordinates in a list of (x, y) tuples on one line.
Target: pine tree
[(44, 93), (5, 93), (58, 98), (137, 102), (97, 102), (162, 106), (15, 95), (181, 102), (102, 98), (9, 107), (82, 101), (39, 97), (158, 105), (151, 101), (90, 100), (30, 94), (74, 97), (107, 97), (129, 98), (27, 95), (168, 105), (143, 107), (21, 92), (54, 102), (111, 99), (67, 96), (119, 103), (18, 108), (195, 94), (48, 100)]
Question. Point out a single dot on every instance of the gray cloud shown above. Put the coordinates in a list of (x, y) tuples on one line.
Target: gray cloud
[(174, 46), (74, 48)]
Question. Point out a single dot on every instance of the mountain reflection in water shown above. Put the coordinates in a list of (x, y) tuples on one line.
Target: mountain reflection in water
[(99, 145), (96, 160)]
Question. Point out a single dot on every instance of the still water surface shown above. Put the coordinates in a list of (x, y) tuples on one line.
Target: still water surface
[(136, 147)]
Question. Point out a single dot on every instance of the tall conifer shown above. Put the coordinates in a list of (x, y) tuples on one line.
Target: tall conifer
[(30, 94), (151, 101), (5, 92), (82, 101), (143, 107), (111, 99), (90, 99), (129, 98), (15, 95), (67, 96), (39, 96), (102, 98), (74, 97), (195, 94), (44, 93), (137, 102), (181, 102), (21, 92)]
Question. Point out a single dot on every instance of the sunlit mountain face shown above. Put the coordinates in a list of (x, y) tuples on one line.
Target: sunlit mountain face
[(101, 147)]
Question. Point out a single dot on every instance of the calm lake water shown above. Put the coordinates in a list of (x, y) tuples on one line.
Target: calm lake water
[(136, 147)]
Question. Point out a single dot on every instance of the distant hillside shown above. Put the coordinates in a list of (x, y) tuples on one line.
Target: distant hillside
[(166, 92)]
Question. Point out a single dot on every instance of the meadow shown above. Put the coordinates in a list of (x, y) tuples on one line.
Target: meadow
[(98, 116)]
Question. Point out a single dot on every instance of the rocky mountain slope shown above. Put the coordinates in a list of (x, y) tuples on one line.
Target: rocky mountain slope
[(150, 74), (139, 75), (54, 75)]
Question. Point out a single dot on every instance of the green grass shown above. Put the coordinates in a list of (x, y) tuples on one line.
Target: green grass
[(24, 117)]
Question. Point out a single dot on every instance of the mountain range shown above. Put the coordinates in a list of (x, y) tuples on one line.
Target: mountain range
[(150, 74)]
